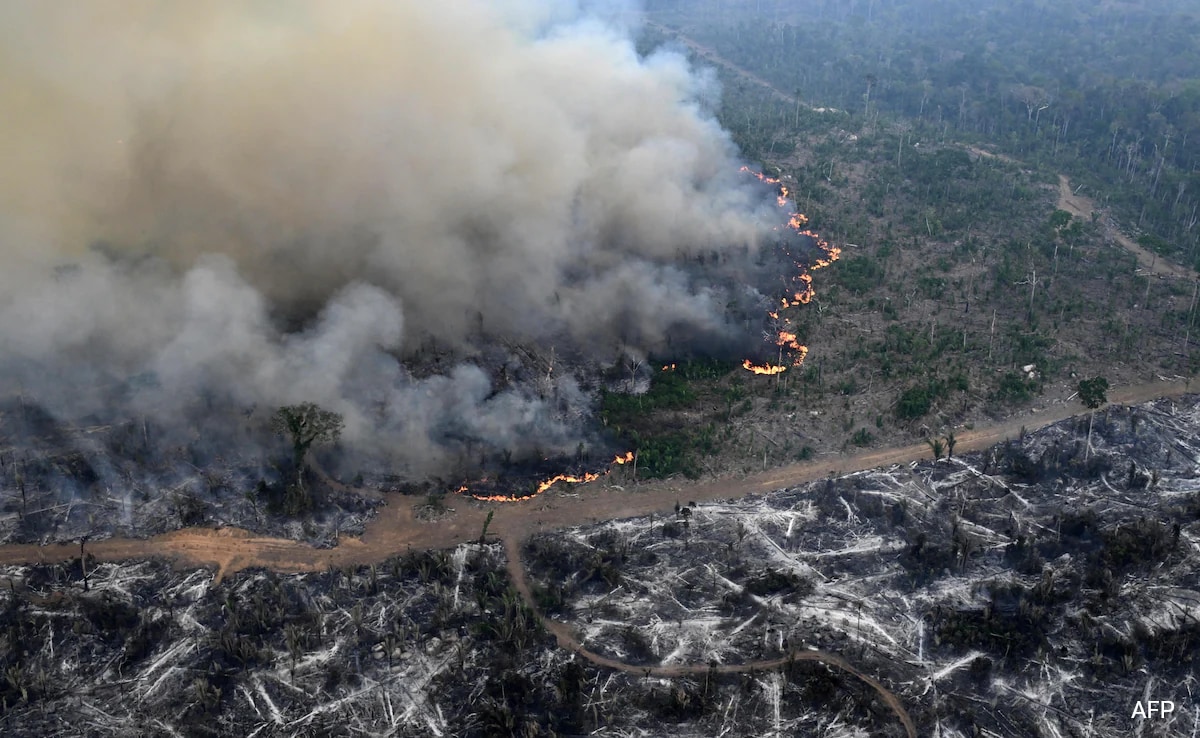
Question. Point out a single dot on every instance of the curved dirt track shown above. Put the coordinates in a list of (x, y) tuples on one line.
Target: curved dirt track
[(1148, 261), (567, 641), (1074, 204)]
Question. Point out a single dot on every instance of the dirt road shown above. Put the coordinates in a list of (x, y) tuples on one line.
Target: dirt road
[(396, 527), (1068, 200), (1148, 261)]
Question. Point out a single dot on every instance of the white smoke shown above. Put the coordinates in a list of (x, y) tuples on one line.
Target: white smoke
[(294, 197)]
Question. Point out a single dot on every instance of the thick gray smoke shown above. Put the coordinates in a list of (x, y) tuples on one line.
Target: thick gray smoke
[(293, 198)]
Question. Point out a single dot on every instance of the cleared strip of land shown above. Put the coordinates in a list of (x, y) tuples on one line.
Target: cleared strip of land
[(397, 529)]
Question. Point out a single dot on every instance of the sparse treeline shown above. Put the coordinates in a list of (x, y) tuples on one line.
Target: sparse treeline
[(961, 286), (1108, 93)]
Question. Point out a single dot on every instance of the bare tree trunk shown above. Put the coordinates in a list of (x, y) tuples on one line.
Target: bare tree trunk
[(992, 335), (1055, 272), (83, 564), (298, 459), (21, 484), (1191, 311)]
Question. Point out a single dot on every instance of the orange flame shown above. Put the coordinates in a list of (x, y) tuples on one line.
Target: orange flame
[(619, 460), (784, 193), (668, 367), (761, 177), (543, 486), (789, 341), (769, 370), (805, 294)]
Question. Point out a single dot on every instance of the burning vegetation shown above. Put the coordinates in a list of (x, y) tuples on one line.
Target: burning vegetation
[(478, 489), (790, 352), (178, 283), (803, 294)]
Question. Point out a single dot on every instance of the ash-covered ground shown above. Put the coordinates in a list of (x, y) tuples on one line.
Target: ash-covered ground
[(427, 644), (1021, 591), (1033, 589)]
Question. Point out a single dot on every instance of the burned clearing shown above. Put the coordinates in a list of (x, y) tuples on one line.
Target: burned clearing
[(434, 643), (1034, 587), (426, 643), (346, 384)]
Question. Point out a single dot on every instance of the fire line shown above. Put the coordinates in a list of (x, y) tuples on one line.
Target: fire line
[(620, 460), (786, 340), (804, 292)]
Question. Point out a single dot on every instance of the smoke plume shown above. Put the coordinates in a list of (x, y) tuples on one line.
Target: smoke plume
[(245, 204)]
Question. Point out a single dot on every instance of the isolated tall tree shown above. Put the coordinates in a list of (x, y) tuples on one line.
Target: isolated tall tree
[(1092, 393), (306, 424), (871, 80)]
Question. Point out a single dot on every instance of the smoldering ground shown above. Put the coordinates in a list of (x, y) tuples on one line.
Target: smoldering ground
[(209, 207)]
